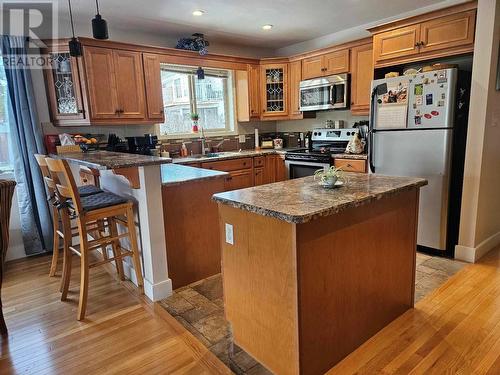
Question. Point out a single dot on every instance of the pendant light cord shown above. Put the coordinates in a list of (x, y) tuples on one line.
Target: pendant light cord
[(71, 18), (97, 5)]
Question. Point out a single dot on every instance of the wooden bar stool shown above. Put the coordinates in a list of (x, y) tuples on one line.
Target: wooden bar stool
[(58, 234), (92, 208)]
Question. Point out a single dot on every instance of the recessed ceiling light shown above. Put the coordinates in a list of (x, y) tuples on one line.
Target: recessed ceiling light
[(198, 13), (267, 27)]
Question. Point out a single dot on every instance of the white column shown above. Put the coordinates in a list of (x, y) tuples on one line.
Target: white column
[(151, 230)]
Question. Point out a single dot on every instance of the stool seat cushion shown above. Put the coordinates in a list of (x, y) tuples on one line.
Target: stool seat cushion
[(101, 200), (86, 190)]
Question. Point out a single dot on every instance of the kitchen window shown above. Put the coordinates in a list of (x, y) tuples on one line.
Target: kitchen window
[(183, 94)]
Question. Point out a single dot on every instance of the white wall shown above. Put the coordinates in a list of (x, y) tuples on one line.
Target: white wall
[(480, 216)]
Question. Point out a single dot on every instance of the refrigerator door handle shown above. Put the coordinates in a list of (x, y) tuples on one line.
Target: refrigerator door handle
[(371, 130)]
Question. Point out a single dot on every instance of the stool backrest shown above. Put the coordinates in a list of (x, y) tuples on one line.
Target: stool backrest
[(65, 183), (42, 163)]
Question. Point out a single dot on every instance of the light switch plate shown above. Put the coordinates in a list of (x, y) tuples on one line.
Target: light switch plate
[(229, 234), (242, 138)]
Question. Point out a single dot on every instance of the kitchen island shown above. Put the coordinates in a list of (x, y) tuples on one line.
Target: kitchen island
[(309, 274), (137, 177)]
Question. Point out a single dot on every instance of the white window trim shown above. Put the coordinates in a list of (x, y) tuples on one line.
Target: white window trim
[(230, 112)]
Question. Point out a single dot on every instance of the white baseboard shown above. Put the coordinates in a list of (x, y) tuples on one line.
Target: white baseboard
[(472, 254)]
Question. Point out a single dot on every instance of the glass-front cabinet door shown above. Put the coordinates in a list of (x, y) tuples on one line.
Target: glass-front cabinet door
[(274, 86), (63, 87)]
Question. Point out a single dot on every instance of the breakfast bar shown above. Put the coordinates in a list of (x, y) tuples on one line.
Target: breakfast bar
[(137, 177), (309, 273)]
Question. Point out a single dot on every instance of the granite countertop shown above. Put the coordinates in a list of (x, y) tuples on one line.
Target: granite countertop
[(226, 155), (174, 174), (302, 200), (111, 160)]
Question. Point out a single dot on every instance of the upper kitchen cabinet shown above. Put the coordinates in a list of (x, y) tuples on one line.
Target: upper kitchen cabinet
[(63, 86), (254, 91), (274, 90), (445, 32), (335, 62), (295, 74), (152, 80), (115, 81), (247, 93), (361, 77)]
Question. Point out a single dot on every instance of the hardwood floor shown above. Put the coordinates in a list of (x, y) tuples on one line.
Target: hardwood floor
[(454, 330), (122, 333)]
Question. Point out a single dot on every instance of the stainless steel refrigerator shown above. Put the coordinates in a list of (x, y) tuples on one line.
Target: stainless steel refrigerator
[(413, 132)]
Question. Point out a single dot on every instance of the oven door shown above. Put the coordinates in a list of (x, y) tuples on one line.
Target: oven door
[(298, 169)]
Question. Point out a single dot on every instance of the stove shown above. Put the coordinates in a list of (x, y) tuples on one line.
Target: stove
[(304, 162)]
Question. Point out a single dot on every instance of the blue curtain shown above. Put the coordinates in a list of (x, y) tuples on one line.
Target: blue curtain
[(27, 139)]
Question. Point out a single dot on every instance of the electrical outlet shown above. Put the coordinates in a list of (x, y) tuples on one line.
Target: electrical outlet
[(242, 138), (229, 234)]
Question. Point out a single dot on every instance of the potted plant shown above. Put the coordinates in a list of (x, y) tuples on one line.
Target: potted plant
[(195, 117), (330, 177)]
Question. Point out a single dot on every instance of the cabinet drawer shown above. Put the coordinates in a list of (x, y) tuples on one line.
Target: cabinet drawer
[(351, 165), (258, 161), (229, 165)]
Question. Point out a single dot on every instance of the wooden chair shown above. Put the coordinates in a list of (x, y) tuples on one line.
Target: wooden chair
[(116, 209), (58, 233), (6, 193)]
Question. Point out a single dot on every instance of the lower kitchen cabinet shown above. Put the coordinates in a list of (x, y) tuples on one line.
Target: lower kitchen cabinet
[(240, 179), (351, 165), (281, 174), (259, 177)]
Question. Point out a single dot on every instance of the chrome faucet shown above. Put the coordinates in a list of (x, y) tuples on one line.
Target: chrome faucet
[(203, 142)]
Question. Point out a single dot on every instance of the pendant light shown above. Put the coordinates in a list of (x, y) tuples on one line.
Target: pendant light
[(99, 25), (75, 47), (200, 73)]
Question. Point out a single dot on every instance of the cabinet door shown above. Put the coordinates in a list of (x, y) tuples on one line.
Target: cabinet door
[(351, 165), (101, 83), (253, 90), (295, 78), (152, 79), (446, 32), (63, 88), (274, 86), (259, 177), (129, 77), (313, 67), (361, 78), (336, 62), (281, 174), (240, 179), (242, 95), (396, 43)]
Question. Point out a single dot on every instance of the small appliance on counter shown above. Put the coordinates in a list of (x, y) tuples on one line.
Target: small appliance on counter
[(322, 145), (267, 143), (142, 145), (116, 144)]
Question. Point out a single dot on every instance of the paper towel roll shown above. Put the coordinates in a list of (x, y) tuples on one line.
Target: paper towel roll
[(256, 138)]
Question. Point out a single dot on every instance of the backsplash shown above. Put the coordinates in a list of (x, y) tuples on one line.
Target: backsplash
[(319, 122)]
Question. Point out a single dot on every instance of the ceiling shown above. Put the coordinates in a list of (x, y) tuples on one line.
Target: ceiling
[(240, 21)]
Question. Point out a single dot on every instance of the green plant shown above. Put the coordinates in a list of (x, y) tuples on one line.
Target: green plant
[(195, 116), (329, 174)]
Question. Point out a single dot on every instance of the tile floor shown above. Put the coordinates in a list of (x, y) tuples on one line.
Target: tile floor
[(200, 308)]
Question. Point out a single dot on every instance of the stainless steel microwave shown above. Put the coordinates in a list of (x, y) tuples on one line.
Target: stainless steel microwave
[(325, 93)]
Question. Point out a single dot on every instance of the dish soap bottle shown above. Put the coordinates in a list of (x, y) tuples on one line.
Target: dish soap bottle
[(184, 150)]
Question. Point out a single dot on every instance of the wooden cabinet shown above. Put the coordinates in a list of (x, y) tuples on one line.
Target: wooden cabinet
[(396, 43), (281, 173), (129, 77), (323, 65), (442, 33), (63, 87), (295, 74), (361, 78), (152, 80), (254, 91), (240, 179), (101, 83), (259, 177), (351, 165), (274, 90), (241, 172), (450, 31)]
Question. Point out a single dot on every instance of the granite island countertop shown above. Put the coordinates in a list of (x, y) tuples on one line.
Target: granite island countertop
[(302, 200), (111, 160), (174, 174)]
